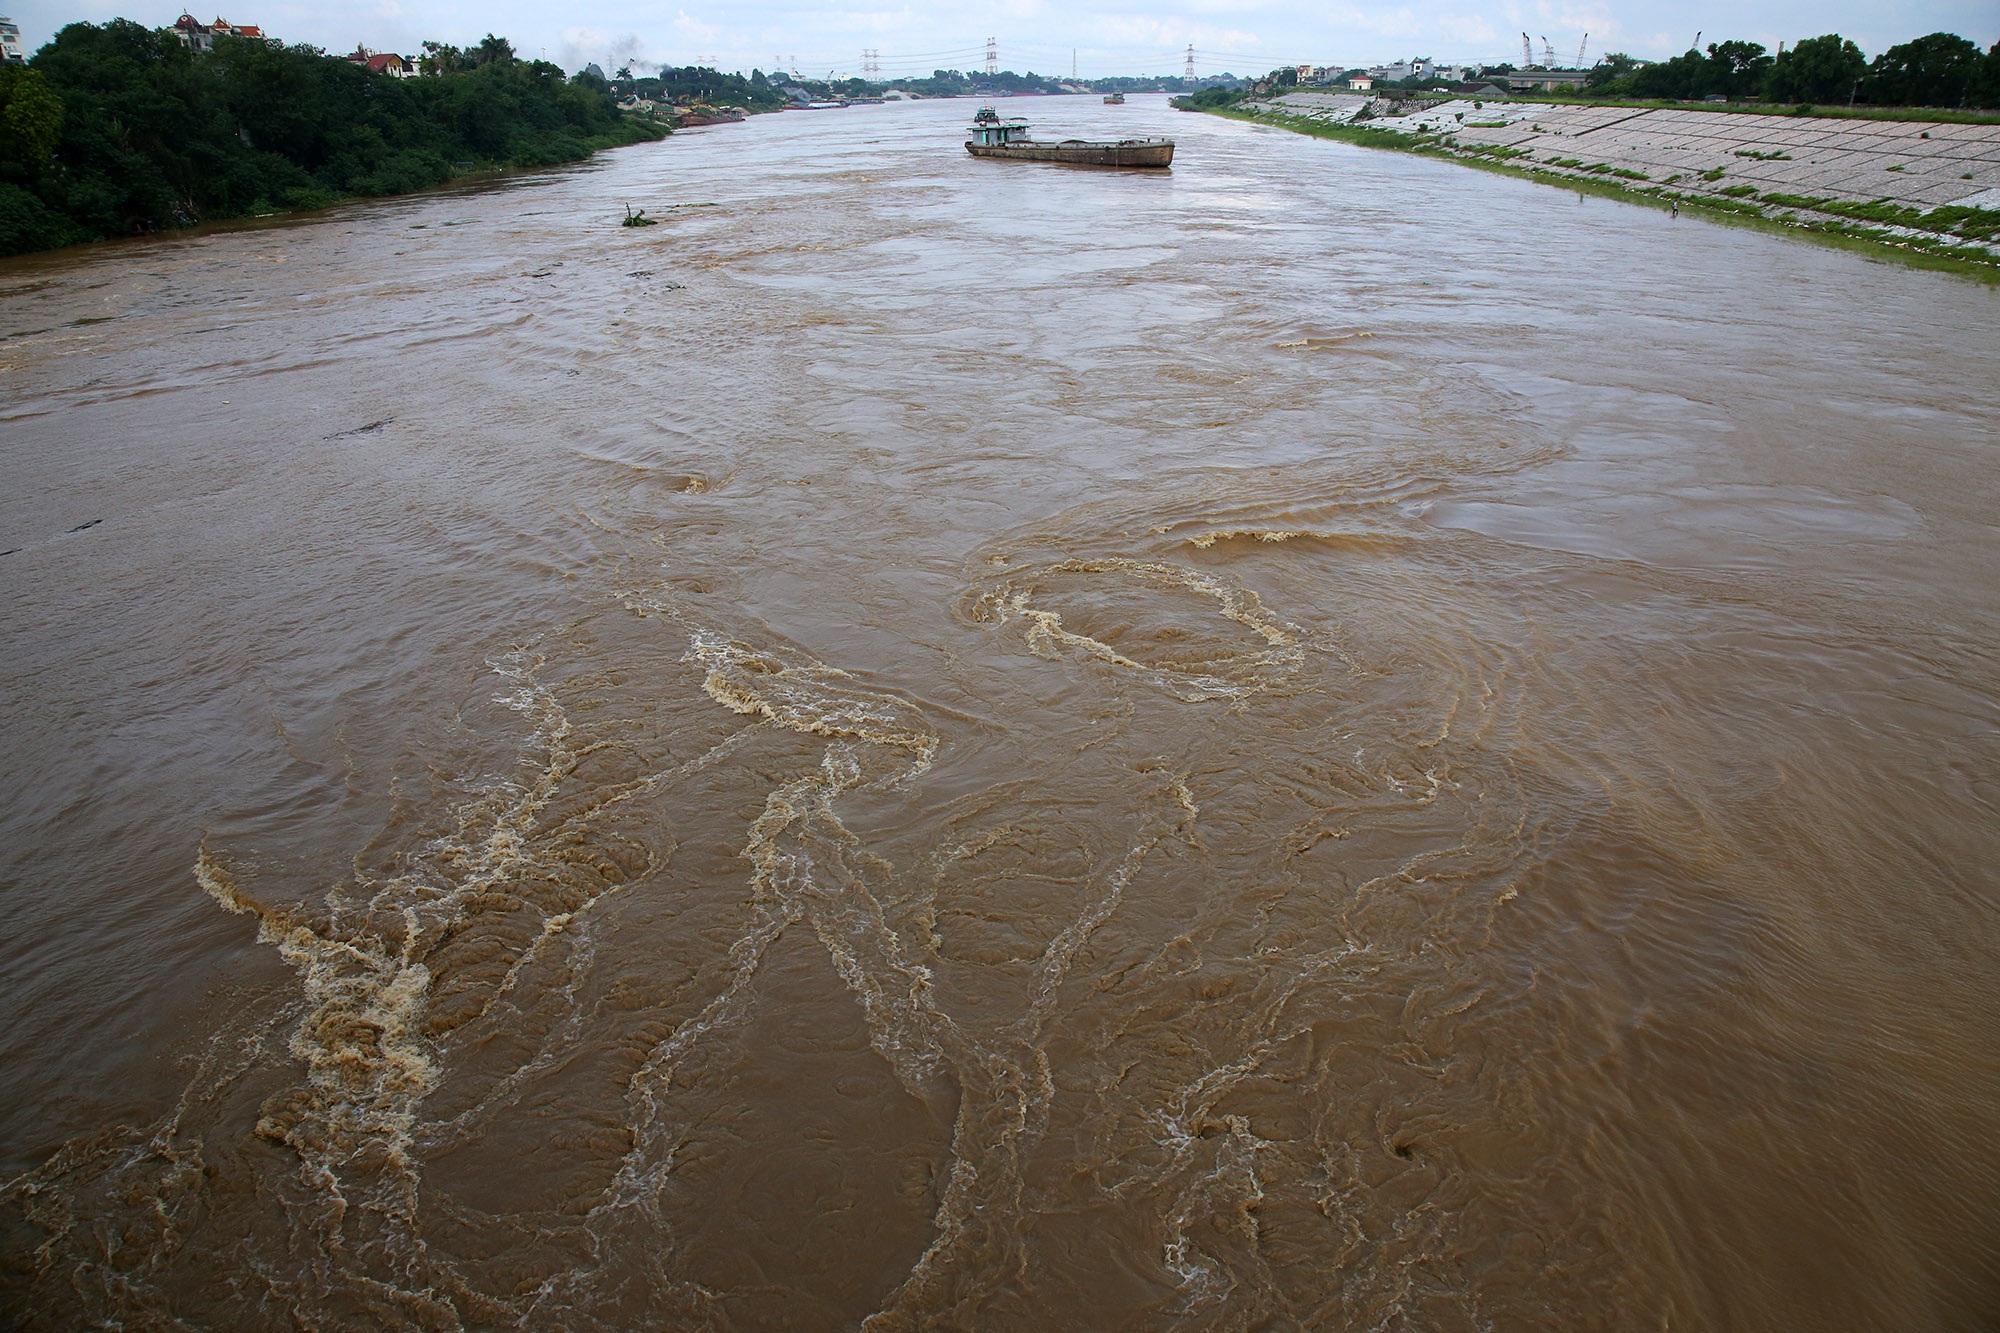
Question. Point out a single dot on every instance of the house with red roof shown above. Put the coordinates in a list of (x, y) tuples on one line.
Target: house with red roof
[(383, 62), (199, 36)]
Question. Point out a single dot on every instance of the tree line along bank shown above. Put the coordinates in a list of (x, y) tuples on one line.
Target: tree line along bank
[(1940, 70), (119, 129)]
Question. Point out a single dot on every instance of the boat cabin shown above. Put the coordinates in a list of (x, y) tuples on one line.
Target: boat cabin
[(989, 131)]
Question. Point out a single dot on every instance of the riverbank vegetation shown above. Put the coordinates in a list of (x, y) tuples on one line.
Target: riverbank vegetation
[(118, 129), (1941, 69), (1824, 75), (698, 85)]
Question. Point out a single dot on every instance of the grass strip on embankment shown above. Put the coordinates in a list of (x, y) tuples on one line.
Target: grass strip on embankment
[(1928, 115), (1861, 228)]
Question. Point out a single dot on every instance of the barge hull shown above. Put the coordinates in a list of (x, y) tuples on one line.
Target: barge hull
[(1081, 154)]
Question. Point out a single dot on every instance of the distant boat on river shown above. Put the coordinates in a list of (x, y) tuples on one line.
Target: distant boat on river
[(1009, 141), (1114, 99)]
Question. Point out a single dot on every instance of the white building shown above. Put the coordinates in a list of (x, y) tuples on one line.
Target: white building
[(1417, 69), (10, 42)]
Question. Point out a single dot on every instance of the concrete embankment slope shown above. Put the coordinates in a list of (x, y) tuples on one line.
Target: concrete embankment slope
[(1887, 173)]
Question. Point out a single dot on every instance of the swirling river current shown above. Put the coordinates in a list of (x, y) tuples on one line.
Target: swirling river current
[(1315, 740)]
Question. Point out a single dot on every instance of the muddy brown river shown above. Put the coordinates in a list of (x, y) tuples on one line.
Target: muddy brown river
[(1317, 740)]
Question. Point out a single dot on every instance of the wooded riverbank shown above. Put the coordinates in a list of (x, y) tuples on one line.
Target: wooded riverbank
[(119, 129)]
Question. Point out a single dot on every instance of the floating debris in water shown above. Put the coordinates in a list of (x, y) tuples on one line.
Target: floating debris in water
[(372, 428)]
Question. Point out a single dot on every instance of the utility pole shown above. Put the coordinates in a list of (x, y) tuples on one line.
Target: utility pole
[(1187, 72), (992, 56)]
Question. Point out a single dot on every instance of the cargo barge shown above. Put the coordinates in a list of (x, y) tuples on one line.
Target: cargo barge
[(1008, 140)]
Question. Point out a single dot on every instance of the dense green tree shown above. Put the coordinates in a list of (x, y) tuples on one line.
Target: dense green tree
[(1818, 69), (693, 83), (1986, 86), (1937, 70), (439, 58), (1727, 69), (1735, 69), (493, 51), (31, 117), (1617, 65), (1209, 97), (153, 135), (1681, 77)]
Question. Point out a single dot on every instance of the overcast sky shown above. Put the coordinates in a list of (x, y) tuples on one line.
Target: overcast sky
[(914, 37)]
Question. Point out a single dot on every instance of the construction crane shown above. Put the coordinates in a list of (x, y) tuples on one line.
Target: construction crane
[(1548, 54), (1579, 51), (1527, 51), (1697, 43)]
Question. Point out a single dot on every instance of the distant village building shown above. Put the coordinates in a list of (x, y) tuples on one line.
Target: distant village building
[(10, 42), (1416, 69), (1548, 80), (1360, 83), (199, 36)]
